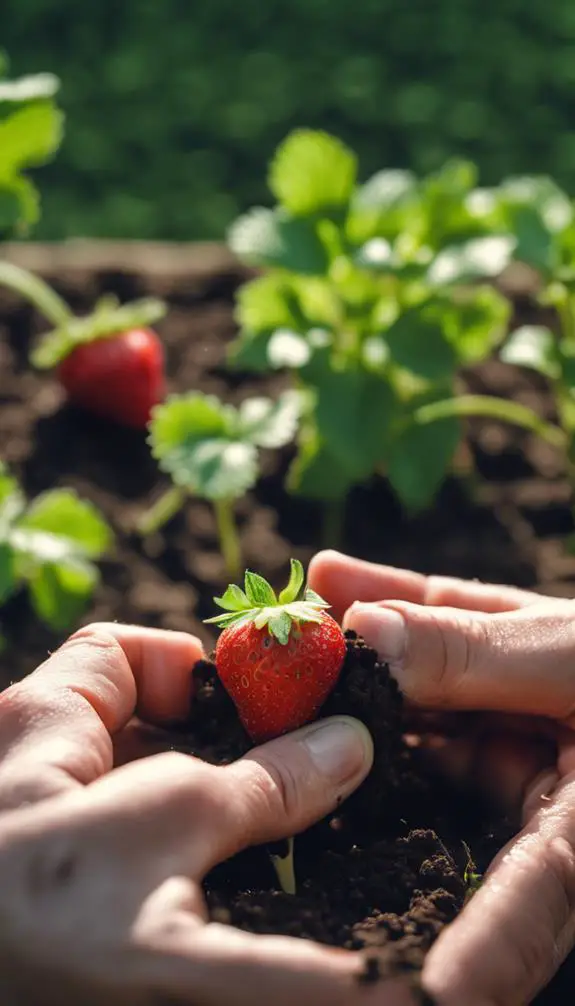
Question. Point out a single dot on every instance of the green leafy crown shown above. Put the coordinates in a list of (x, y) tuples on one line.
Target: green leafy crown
[(258, 603)]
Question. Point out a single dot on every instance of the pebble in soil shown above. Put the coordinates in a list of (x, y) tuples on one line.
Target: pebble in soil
[(384, 873)]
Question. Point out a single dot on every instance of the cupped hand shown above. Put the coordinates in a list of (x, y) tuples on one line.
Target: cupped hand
[(101, 866), (454, 645)]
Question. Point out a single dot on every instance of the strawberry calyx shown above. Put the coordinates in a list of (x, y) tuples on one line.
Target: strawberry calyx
[(258, 603), (108, 318)]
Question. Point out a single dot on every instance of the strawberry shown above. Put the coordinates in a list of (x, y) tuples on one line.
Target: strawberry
[(119, 378), (278, 658)]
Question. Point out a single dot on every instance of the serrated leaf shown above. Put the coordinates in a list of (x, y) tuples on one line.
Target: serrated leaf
[(193, 438), (258, 590), (280, 626), (60, 514), (382, 206), (295, 585), (417, 341), (60, 591), (233, 599), (313, 174), (264, 237), (419, 459), (7, 572), (542, 194), (268, 423), (353, 411), (480, 258), (532, 346)]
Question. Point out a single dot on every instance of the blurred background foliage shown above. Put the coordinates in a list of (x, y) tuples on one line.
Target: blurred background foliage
[(174, 107)]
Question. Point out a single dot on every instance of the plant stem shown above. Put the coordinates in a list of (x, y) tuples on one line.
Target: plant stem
[(333, 523), (493, 408), (283, 865), (161, 511), (37, 292), (228, 535)]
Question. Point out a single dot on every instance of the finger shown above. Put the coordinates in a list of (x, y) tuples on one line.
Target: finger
[(185, 815), (218, 964), (520, 925), (520, 661), (341, 580), (55, 725)]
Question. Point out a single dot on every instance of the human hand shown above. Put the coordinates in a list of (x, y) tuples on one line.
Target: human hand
[(100, 867), (454, 645)]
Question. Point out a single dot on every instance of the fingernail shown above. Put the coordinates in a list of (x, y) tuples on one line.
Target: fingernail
[(340, 747), (382, 628)]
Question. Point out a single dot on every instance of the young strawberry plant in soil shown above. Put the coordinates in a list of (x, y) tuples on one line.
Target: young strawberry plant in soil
[(359, 871)]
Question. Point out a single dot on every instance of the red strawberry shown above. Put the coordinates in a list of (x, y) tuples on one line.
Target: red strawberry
[(119, 377), (278, 658)]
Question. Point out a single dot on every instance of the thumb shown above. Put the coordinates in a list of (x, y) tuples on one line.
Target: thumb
[(197, 814), (520, 661)]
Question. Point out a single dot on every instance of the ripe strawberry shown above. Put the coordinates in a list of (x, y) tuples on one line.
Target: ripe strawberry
[(119, 377), (278, 658)]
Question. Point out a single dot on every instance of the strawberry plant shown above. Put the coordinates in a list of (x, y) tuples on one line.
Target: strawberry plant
[(210, 450), (110, 362), (372, 296), (278, 657), (543, 220), (49, 546)]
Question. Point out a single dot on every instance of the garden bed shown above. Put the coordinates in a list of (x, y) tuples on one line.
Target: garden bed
[(404, 878)]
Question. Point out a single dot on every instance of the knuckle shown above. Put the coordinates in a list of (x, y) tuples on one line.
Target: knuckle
[(96, 635), (459, 639)]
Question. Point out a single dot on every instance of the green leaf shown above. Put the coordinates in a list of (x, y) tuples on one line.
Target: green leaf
[(315, 473), (313, 174), (296, 583), (532, 346), (419, 459), (8, 484), (60, 592), (418, 342), (265, 237), (7, 572), (480, 258), (543, 195), (62, 514), (107, 320), (280, 627), (382, 206), (258, 590), (193, 437), (234, 599), (475, 322), (268, 423), (29, 136), (353, 411), (266, 303)]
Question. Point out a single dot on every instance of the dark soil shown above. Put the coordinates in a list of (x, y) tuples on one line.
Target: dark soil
[(385, 872)]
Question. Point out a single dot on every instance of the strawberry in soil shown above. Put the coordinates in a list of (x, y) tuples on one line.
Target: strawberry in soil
[(385, 872)]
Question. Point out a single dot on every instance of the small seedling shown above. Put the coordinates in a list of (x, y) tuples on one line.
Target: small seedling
[(278, 657), (49, 546), (471, 878), (210, 450)]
